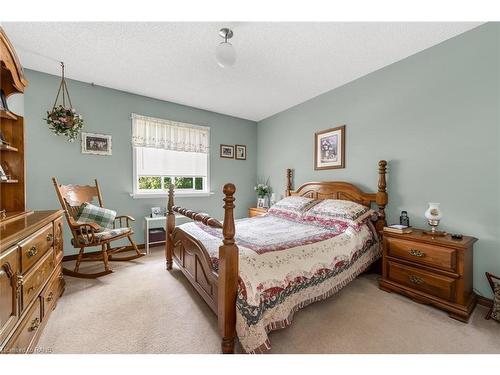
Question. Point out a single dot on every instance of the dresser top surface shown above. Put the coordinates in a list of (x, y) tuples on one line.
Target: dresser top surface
[(418, 235), (15, 230)]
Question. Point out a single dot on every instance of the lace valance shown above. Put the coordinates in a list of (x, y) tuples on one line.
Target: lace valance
[(169, 135)]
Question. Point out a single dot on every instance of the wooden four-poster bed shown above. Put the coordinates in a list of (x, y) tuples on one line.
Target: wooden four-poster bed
[(222, 276)]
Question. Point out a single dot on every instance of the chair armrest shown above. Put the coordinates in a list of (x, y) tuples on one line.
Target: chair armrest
[(122, 218), (85, 231)]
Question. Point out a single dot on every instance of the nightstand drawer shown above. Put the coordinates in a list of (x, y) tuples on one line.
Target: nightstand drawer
[(434, 256), (428, 282)]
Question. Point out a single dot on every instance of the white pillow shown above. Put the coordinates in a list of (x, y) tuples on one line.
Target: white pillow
[(292, 207), (327, 211)]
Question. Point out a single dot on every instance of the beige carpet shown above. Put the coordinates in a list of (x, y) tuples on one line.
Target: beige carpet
[(142, 308)]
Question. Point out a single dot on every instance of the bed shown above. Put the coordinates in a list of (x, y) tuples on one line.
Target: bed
[(270, 266)]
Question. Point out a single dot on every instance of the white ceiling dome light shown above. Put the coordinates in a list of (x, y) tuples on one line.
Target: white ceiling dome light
[(225, 53)]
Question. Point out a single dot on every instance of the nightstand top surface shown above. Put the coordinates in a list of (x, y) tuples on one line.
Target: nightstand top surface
[(418, 235)]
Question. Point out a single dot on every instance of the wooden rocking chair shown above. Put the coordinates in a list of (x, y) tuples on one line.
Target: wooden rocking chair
[(91, 234)]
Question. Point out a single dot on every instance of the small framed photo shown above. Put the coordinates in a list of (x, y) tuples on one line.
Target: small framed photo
[(329, 148), (227, 151), (241, 152), (96, 144), (156, 211)]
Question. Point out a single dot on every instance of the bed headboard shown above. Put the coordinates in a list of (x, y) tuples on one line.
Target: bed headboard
[(345, 191)]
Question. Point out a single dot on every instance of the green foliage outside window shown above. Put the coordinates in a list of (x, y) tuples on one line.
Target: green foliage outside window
[(198, 183), (150, 183), (155, 183), (184, 182)]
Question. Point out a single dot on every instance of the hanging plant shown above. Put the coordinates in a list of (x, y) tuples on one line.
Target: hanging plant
[(62, 119)]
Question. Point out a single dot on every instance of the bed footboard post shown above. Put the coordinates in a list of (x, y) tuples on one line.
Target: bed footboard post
[(381, 196), (288, 182), (228, 275), (169, 246)]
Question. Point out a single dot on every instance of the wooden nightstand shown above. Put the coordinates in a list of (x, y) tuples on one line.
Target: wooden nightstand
[(254, 211), (435, 271)]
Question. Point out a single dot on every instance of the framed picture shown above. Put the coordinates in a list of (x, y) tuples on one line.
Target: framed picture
[(241, 152), (97, 144), (227, 151), (156, 212), (329, 148)]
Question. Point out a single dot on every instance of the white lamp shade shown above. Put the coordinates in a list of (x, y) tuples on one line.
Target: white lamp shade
[(225, 54)]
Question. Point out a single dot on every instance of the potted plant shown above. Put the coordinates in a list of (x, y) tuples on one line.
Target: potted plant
[(65, 121), (263, 191), (62, 119)]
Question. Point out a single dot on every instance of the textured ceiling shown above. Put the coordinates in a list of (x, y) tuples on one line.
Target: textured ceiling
[(278, 65)]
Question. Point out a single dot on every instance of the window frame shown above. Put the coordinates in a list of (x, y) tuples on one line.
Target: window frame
[(137, 193)]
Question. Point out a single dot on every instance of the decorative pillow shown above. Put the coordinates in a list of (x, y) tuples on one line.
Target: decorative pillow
[(89, 213), (292, 207), (328, 211), (495, 312)]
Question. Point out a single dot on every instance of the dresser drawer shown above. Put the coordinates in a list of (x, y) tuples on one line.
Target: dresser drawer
[(9, 268), (52, 291), (36, 278), (429, 255), (428, 282), (35, 246), (22, 338)]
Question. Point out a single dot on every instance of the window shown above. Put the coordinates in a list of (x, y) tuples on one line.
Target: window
[(166, 152)]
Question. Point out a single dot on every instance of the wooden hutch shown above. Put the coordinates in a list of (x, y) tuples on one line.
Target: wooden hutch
[(31, 243)]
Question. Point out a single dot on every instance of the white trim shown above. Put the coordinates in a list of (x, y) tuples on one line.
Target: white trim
[(178, 194)]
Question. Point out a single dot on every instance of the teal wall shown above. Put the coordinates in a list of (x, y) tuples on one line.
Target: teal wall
[(108, 111), (434, 116)]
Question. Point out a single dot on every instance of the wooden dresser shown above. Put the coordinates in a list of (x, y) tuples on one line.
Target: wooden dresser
[(31, 281), (435, 271), (255, 211)]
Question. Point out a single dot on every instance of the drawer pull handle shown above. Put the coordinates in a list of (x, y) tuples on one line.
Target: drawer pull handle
[(50, 297), (35, 323), (32, 252), (30, 289), (50, 237), (61, 276), (415, 279), (417, 253)]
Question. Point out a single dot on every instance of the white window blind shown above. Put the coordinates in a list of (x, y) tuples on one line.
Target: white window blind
[(158, 162)]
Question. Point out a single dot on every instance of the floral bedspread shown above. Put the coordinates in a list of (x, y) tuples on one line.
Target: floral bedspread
[(286, 265)]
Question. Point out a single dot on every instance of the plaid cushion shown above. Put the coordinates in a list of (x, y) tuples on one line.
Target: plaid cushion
[(89, 213), (102, 236)]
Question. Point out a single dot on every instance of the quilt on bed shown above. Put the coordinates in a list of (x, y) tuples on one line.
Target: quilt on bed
[(285, 265)]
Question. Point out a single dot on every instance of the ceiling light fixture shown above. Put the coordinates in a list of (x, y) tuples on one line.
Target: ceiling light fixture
[(225, 53)]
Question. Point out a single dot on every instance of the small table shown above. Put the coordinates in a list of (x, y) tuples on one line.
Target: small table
[(148, 220)]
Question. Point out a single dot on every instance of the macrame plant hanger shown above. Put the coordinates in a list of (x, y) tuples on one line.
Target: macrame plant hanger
[(64, 89), (64, 120)]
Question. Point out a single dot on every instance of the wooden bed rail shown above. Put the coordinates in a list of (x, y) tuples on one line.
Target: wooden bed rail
[(228, 272), (196, 216)]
